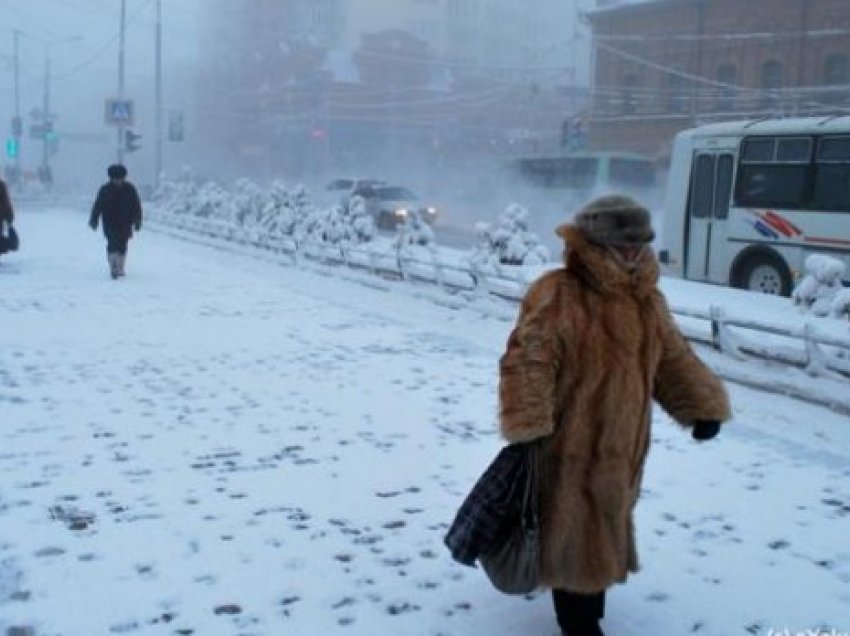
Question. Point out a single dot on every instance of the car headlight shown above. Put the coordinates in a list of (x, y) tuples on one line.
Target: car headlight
[(431, 211), (401, 212)]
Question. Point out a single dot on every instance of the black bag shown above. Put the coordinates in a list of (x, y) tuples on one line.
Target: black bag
[(513, 562)]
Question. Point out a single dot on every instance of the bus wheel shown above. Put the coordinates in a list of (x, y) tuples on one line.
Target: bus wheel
[(764, 272)]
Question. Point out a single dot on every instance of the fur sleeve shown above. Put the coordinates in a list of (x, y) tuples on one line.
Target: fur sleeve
[(684, 387), (529, 367)]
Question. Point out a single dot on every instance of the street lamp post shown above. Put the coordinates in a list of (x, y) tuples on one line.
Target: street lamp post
[(47, 117), (17, 132), (121, 38)]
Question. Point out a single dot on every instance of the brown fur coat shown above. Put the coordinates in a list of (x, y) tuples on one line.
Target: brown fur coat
[(593, 345)]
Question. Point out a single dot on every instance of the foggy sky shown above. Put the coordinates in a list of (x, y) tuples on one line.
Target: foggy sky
[(83, 45)]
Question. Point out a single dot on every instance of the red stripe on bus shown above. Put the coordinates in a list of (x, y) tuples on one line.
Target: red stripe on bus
[(818, 239), (782, 224)]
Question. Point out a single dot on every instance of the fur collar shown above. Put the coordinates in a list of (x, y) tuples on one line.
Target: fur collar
[(600, 269)]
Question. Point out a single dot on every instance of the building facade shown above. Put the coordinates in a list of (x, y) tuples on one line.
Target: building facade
[(347, 82), (665, 65)]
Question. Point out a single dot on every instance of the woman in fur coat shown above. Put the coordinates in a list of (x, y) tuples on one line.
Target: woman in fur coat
[(594, 345)]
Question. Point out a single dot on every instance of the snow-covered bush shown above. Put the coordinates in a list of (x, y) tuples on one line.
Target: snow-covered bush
[(211, 201), (414, 240), (483, 259), (510, 242), (362, 223), (414, 231), (308, 218), (513, 242), (279, 218), (341, 226), (177, 197), (249, 203), (820, 285), (840, 307)]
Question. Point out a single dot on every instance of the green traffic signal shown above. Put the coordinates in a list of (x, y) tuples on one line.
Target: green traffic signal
[(12, 147)]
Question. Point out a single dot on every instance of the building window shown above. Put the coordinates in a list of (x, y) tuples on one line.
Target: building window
[(728, 76), (835, 75), (771, 83)]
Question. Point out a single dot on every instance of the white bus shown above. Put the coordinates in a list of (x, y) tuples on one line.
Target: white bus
[(747, 201)]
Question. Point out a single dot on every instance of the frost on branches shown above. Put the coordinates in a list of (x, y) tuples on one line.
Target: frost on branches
[(821, 291), (510, 242), (340, 226)]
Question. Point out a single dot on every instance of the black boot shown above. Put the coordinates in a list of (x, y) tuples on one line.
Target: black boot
[(579, 614)]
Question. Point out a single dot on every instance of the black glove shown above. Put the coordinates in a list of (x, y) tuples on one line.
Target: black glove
[(93, 224), (705, 429), (138, 225)]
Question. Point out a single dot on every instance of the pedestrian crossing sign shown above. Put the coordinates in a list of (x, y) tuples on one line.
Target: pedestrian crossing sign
[(119, 112)]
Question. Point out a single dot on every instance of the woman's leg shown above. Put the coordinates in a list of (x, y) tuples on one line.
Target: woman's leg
[(579, 614)]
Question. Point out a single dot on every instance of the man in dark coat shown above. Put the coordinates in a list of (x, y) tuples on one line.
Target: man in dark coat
[(119, 206), (7, 214)]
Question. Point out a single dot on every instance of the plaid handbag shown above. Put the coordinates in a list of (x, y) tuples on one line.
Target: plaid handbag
[(512, 562)]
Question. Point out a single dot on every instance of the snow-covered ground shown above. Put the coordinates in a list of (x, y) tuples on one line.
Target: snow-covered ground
[(221, 445)]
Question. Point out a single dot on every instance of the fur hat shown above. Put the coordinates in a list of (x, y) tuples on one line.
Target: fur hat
[(116, 171), (615, 220)]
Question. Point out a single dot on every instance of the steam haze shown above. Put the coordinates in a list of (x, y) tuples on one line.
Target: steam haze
[(438, 95)]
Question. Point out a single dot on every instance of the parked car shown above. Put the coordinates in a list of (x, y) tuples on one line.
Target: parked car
[(390, 205)]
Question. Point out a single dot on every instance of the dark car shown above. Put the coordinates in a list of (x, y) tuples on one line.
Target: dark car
[(391, 205)]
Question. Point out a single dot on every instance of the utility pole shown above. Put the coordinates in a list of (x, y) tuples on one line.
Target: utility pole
[(158, 164), (121, 33), (18, 119), (46, 120)]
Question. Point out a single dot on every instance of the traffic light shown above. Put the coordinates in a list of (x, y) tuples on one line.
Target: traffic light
[(12, 147), (131, 141)]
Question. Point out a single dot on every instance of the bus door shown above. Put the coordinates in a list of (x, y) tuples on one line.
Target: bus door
[(708, 211)]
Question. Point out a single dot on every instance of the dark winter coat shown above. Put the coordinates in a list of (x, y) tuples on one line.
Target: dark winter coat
[(7, 214), (594, 344), (119, 207)]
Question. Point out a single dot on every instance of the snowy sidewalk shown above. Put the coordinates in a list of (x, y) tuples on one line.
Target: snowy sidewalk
[(219, 445)]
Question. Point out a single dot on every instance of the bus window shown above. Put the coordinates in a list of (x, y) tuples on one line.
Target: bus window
[(723, 189), (702, 188), (834, 149), (777, 185), (794, 150), (773, 172), (832, 174), (757, 150)]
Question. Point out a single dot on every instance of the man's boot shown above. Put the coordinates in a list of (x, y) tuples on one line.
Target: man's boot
[(113, 257), (122, 260)]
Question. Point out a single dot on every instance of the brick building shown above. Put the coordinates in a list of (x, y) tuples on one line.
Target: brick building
[(665, 65)]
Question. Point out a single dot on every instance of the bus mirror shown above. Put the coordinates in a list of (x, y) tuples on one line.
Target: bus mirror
[(664, 257)]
